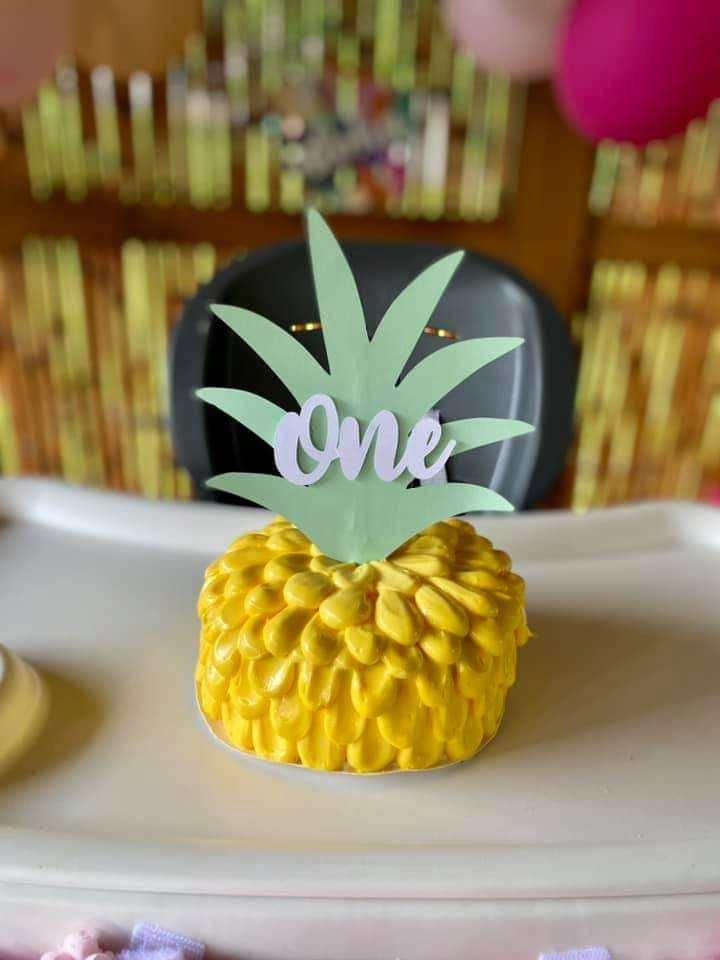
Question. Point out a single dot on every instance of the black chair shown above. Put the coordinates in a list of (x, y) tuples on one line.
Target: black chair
[(485, 298)]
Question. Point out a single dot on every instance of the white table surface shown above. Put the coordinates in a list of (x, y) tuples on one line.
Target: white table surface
[(603, 784)]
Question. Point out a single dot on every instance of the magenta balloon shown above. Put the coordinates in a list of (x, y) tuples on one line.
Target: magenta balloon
[(639, 70), (508, 35)]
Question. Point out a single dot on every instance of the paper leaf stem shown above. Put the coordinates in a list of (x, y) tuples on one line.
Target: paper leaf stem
[(254, 412), (481, 431), (386, 517), (298, 369), (409, 314), (341, 312), (436, 375)]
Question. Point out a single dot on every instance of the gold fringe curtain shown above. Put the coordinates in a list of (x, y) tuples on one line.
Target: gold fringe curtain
[(84, 341), (648, 402)]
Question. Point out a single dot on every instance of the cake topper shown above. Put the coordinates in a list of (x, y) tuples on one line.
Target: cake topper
[(366, 633), (363, 434)]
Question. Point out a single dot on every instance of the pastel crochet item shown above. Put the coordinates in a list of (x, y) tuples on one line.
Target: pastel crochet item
[(156, 953), (589, 953), (81, 945), (156, 943), (147, 942)]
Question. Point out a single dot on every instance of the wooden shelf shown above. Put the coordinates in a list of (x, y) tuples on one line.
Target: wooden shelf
[(684, 245), (546, 231), (103, 219)]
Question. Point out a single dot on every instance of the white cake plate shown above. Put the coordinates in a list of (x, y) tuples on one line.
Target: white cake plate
[(594, 817)]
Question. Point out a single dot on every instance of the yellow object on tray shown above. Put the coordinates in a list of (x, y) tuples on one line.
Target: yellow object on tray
[(24, 707), (402, 663)]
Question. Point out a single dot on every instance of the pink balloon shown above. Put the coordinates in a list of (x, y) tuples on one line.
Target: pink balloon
[(639, 70), (34, 35), (518, 37)]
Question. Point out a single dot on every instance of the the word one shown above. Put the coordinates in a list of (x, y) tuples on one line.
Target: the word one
[(343, 442)]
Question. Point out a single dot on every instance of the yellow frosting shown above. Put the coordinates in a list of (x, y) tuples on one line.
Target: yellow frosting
[(23, 707), (402, 663)]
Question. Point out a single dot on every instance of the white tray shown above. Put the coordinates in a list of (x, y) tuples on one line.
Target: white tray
[(594, 816)]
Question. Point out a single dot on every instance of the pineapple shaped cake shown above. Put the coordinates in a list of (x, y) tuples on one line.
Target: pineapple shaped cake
[(366, 632)]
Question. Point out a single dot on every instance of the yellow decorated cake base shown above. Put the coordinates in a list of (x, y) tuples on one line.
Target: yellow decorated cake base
[(402, 663)]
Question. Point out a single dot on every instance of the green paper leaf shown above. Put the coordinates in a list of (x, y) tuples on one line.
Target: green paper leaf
[(315, 510), (436, 375), (270, 492), (339, 305), (298, 369), (254, 412), (386, 514), (480, 431), (408, 315), (425, 505)]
